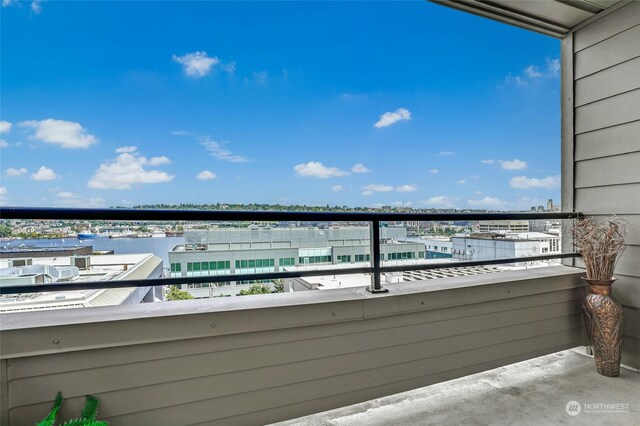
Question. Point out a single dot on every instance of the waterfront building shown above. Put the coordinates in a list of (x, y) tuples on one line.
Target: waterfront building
[(505, 245), (247, 251), (438, 247), (503, 225)]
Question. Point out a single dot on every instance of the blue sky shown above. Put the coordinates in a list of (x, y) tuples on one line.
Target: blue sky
[(357, 103)]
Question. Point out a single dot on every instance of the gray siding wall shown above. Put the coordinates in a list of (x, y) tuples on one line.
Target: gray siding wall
[(604, 69), (261, 359)]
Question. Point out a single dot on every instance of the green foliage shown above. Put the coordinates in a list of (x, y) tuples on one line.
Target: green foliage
[(256, 289), (87, 417), (51, 417), (175, 293), (5, 231), (278, 285)]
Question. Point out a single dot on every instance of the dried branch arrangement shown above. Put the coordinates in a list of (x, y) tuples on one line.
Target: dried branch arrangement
[(600, 242)]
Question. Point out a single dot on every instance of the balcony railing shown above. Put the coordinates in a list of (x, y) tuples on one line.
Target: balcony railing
[(374, 219)]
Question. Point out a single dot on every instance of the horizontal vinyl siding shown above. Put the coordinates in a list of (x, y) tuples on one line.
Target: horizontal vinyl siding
[(609, 52), (631, 352), (614, 140), (607, 144), (631, 324), (438, 336), (614, 170), (607, 26), (627, 290), (608, 112), (347, 398), (609, 82), (603, 200)]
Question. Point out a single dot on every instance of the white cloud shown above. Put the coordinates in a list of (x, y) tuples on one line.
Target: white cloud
[(196, 64), (461, 182), (3, 143), (434, 171), (532, 72), (217, 151), (16, 172), (336, 188), (518, 81), (69, 199), (260, 77), (478, 193), (553, 67), (7, 3), (371, 188), (66, 194), (128, 149), (318, 170), (389, 118), (378, 188), (513, 164), (128, 169), (36, 7), (158, 161), (66, 134), (206, 175), (440, 201), (487, 161), (3, 191), (523, 182), (230, 67), (5, 126), (360, 168), (487, 202), (44, 173), (180, 133), (445, 153), (406, 188)]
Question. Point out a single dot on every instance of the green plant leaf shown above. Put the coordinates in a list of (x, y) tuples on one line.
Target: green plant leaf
[(90, 410), (51, 417)]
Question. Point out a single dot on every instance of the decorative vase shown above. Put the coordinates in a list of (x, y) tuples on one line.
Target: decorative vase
[(603, 317)]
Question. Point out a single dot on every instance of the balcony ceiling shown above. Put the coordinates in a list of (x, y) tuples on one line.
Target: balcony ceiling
[(551, 17)]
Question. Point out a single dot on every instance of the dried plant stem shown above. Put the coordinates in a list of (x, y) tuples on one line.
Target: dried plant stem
[(600, 243)]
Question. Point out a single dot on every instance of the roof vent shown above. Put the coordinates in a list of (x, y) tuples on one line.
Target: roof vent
[(20, 262), (81, 262)]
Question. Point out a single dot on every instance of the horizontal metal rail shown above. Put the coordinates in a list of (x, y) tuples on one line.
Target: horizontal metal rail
[(234, 215), (94, 285), (375, 219)]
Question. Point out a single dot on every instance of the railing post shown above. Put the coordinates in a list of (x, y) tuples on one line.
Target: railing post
[(376, 286)]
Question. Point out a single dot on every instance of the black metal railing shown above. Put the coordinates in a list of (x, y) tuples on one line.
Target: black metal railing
[(374, 219)]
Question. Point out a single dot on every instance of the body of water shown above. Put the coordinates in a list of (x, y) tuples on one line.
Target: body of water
[(158, 246)]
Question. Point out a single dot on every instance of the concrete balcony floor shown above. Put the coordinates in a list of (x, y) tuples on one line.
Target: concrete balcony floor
[(533, 392)]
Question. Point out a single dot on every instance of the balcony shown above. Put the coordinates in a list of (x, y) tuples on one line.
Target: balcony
[(271, 358), (255, 360)]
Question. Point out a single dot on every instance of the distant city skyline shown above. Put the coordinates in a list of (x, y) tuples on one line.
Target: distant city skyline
[(356, 103)]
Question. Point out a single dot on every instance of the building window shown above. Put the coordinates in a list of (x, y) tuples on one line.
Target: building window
[(344, 258), (286, 261)]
